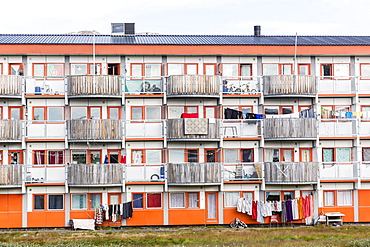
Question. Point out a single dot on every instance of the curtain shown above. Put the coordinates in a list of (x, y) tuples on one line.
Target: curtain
[(211, 209), (95, 200), (247, 155), (177, 200), (79, 201), (138, 200), (153, 157), (137, 156), (231, 199), (329, 198), (38, 201), (288, 155), (55, 202), (231, 155), (154, 200), (328, 154), (193, 200), (176, 155), (248, 195), (366, 154), (344, 198), (39, 157), (343, 154)]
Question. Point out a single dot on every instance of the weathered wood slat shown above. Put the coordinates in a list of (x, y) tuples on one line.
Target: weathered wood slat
[(186, 173), (11, 174), (193, 85), (10, 129), (289, 84), (95, 174), (94, 85), (11, 85), (290, 128), (94, 129), (291, 172)]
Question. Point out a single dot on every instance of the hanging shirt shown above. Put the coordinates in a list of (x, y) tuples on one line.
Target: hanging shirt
[(254, 210)]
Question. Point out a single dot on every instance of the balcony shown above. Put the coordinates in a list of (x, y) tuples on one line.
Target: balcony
[(11, 175), (144, 173), (344, 128), (338, 170), (193, 129), (10, 130), (291, 172), (364, 171), (193, 86), (40, 129), (144, 129), (290, 128), (237, 128), (289, 86), (242, 172), (10, 86), (94, 129), (332, 85), (194, 173), (95, 174), (94, 86), (46, 174)]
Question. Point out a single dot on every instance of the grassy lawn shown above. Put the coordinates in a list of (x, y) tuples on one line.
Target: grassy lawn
[(349, 236)]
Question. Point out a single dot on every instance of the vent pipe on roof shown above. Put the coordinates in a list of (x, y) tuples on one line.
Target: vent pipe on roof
[(257, 31)]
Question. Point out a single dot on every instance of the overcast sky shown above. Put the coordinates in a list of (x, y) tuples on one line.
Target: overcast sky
[(276, 17)]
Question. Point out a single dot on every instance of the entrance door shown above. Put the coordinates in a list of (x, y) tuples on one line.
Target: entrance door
[(212, 207), (15, 69)]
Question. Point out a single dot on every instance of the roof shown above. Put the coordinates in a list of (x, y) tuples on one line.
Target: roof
[(183, 40)]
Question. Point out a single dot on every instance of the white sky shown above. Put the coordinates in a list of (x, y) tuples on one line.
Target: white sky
[(276, 17)]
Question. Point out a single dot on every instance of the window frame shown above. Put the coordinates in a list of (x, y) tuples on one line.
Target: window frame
[(333, 75), (186, 152), (335, 158), (46, 114), (186, 197), (45, 71), (361, 69), (88, 112), (210, 64), (304, 64), (336, 198), (10, 108), (46, 202), (144, 112), (241, 195), (144, 71), (88, 68), (281, 194), (46, 156), (281, 154), (280, 109)]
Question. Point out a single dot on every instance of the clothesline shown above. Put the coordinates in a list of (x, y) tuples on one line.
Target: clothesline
[(295, 209)]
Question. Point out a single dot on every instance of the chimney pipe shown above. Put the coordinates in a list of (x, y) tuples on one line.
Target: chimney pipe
[(257, 31)]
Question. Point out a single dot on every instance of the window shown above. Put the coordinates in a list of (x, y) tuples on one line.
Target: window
[(48, 69), (336, 154), (279, 155), (1, 69), (138, 200), (15, 112), (210, 112), (114, 112), (338, 111), (86, 112), (235, 70), (365, 71), (86, 156), (154, 200), (243, 109), (149, 71), (338, 198), (53, 157), (211, 155), (210, 69), (86, 69), (366, 154), (138, 156), (175, 69), (231, 198), (279, 195), (304, 69), (113, 156), (191, 69), (15, 157), (277, 110), (146, 112), (191, 155), (79, 201), (238, 155), (54, 202), (184, 200), (52, 114), (277, 69), (334, 71), (176, 111), (114, 199)]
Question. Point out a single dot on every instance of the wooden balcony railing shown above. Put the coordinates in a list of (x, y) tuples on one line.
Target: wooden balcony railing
[(95, 174), (94, 129), (289, 85), (283, 128), (94, 85), (11, 174), (193, 129), (194, 173), (10, 129), (291, 172), (10, 85), (191, 85)]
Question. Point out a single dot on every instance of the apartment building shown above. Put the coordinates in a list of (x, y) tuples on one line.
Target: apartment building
[(182, 127)]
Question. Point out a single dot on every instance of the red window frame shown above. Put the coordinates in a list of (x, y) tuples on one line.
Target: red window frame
[(20, 158), (210, 64), (186, 152), (46, 69), (114, 107), (88, 69), (10, 108)]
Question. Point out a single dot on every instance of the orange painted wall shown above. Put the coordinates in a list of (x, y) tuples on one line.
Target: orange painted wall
[(81, 214), (46, 219), (348, 211), (364, 205), (146, 217), (10, 211), (186, 216)]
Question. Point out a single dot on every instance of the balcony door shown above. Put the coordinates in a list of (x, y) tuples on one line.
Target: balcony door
[(305, 154), (212, 208), (15, 69)]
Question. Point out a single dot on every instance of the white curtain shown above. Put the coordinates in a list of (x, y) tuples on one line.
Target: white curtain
[(248, 195), (329, 198), (177, 155), (137, 156), (288, 155), (231, 199), (79, 201), (344, 197), (193, 200), (177, 200), (231, 155), (153, 157), (211, 206)]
